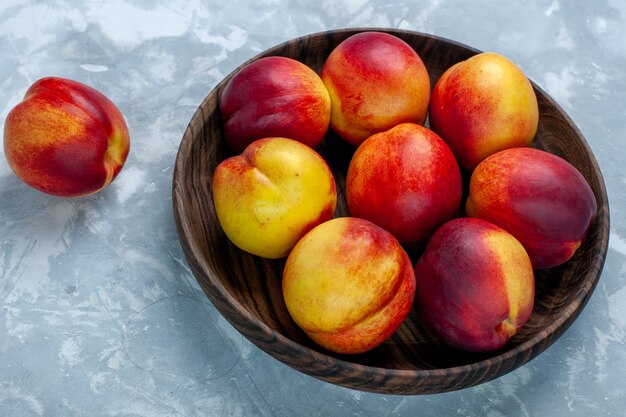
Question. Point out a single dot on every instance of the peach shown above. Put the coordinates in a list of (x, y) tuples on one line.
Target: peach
[(268, 197), (405, 180), (475, 285), (274, 97), (348, 284), (65, 138), (375, 81), (483, 105), (538, 197)]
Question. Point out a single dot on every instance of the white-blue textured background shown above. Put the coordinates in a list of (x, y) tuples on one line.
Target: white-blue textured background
[(99, 313)]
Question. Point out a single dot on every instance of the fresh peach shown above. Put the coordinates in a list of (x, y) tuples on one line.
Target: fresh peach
[(274, 96), (538, 197), (348, 284), (268, 197), (375, 81), (483, 105), (405, 180), (475, 285), (65, 138)]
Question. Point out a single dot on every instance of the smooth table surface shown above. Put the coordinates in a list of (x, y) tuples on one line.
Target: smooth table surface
[(99, 312)]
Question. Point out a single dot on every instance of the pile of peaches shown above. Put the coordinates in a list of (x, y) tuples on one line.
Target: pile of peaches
[(348, 282)]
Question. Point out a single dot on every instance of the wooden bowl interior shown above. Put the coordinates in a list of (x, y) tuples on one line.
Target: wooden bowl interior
[(247, 289)]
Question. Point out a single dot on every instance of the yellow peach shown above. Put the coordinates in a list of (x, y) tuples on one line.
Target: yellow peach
[(348, 284), (268, 197)]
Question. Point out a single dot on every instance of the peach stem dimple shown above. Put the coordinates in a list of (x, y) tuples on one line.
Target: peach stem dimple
[(114, 156), (508, 325)]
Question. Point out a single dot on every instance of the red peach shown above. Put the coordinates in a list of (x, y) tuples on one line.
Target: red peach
[(274, 97), (405, 180), (538, 197)]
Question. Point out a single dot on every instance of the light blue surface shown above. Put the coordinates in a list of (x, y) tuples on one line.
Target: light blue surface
[(99, 313)]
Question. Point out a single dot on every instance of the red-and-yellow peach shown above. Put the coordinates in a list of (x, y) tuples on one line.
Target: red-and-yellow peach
[(375, 81), (348, 284), (65, 138), (483, 105), (475, 285)]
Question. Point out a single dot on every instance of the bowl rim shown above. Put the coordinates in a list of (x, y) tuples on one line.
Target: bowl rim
[(505, 361)]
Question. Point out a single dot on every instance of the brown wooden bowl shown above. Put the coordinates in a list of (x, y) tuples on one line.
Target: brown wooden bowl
[(247, 289)]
